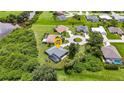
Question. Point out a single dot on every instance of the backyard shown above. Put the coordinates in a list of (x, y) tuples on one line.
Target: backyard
[(105, 75)]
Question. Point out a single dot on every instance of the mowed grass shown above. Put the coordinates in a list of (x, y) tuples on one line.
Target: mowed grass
[(120, 48), (46, 18), (4, 14), (39, 31), (105, 75)]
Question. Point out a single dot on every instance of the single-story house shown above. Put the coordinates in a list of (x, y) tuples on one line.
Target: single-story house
[(50, 38), (5, 28), (82, 28), (99, 29), (61, 28), (116, 30), (92, 18), (61, 17), (105, 17), (56, 54), (111, 55), (118, 17)]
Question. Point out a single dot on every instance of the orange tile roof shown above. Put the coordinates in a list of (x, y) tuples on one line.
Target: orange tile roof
[(50, 38), (61, 28)]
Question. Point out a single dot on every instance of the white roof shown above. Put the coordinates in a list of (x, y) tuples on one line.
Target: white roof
[(98, 29), (117, 16), (105, 16)]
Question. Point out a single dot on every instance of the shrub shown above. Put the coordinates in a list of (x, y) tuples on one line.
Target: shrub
[(44, 73), (78, 68), (111, 67)]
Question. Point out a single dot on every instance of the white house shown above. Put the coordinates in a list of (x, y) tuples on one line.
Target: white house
[(105, 16), (99, 29)]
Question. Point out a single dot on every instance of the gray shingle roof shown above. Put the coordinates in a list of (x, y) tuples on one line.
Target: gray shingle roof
[(82, 28), (61, 17), (115, 30), (59, 52), (110, 52), (92, 18)]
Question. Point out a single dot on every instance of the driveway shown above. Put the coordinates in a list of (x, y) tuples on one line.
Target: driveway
[(71, 40), (122, 37)]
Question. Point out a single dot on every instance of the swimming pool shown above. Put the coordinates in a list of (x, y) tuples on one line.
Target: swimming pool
[(117, 62)]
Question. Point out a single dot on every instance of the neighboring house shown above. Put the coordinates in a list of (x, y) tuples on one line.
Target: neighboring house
[(5, 28), (56, 54), (59, 13), (61, 28), (115, 30), (32, 14), (92, 18), (61, 18), (111, 55), (105, 17), (99, 29), (82, 29), (50, 39), (118, 17)]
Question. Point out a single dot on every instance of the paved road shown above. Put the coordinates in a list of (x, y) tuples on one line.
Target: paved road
[(122, 37)]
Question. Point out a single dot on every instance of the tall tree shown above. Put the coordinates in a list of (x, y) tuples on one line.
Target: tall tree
[(73, 49)]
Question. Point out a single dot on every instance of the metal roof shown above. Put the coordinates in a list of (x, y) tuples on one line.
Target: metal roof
[(59, 52)]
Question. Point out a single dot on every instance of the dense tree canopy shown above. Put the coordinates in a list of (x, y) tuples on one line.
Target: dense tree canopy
[(44, 73), (18, 55)]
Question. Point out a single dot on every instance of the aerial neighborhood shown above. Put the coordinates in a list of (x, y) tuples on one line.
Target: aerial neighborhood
[(92, 45)]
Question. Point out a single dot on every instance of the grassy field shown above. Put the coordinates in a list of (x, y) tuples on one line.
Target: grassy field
[(104, 75), (120, 48), (4, 14)]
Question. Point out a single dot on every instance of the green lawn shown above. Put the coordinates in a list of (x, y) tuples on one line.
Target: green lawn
[(39, 31), (46, 18), (4, 14), (120, 48), (104, 75)]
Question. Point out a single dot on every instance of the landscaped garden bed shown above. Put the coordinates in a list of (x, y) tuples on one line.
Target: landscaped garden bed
[(77, 39)]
